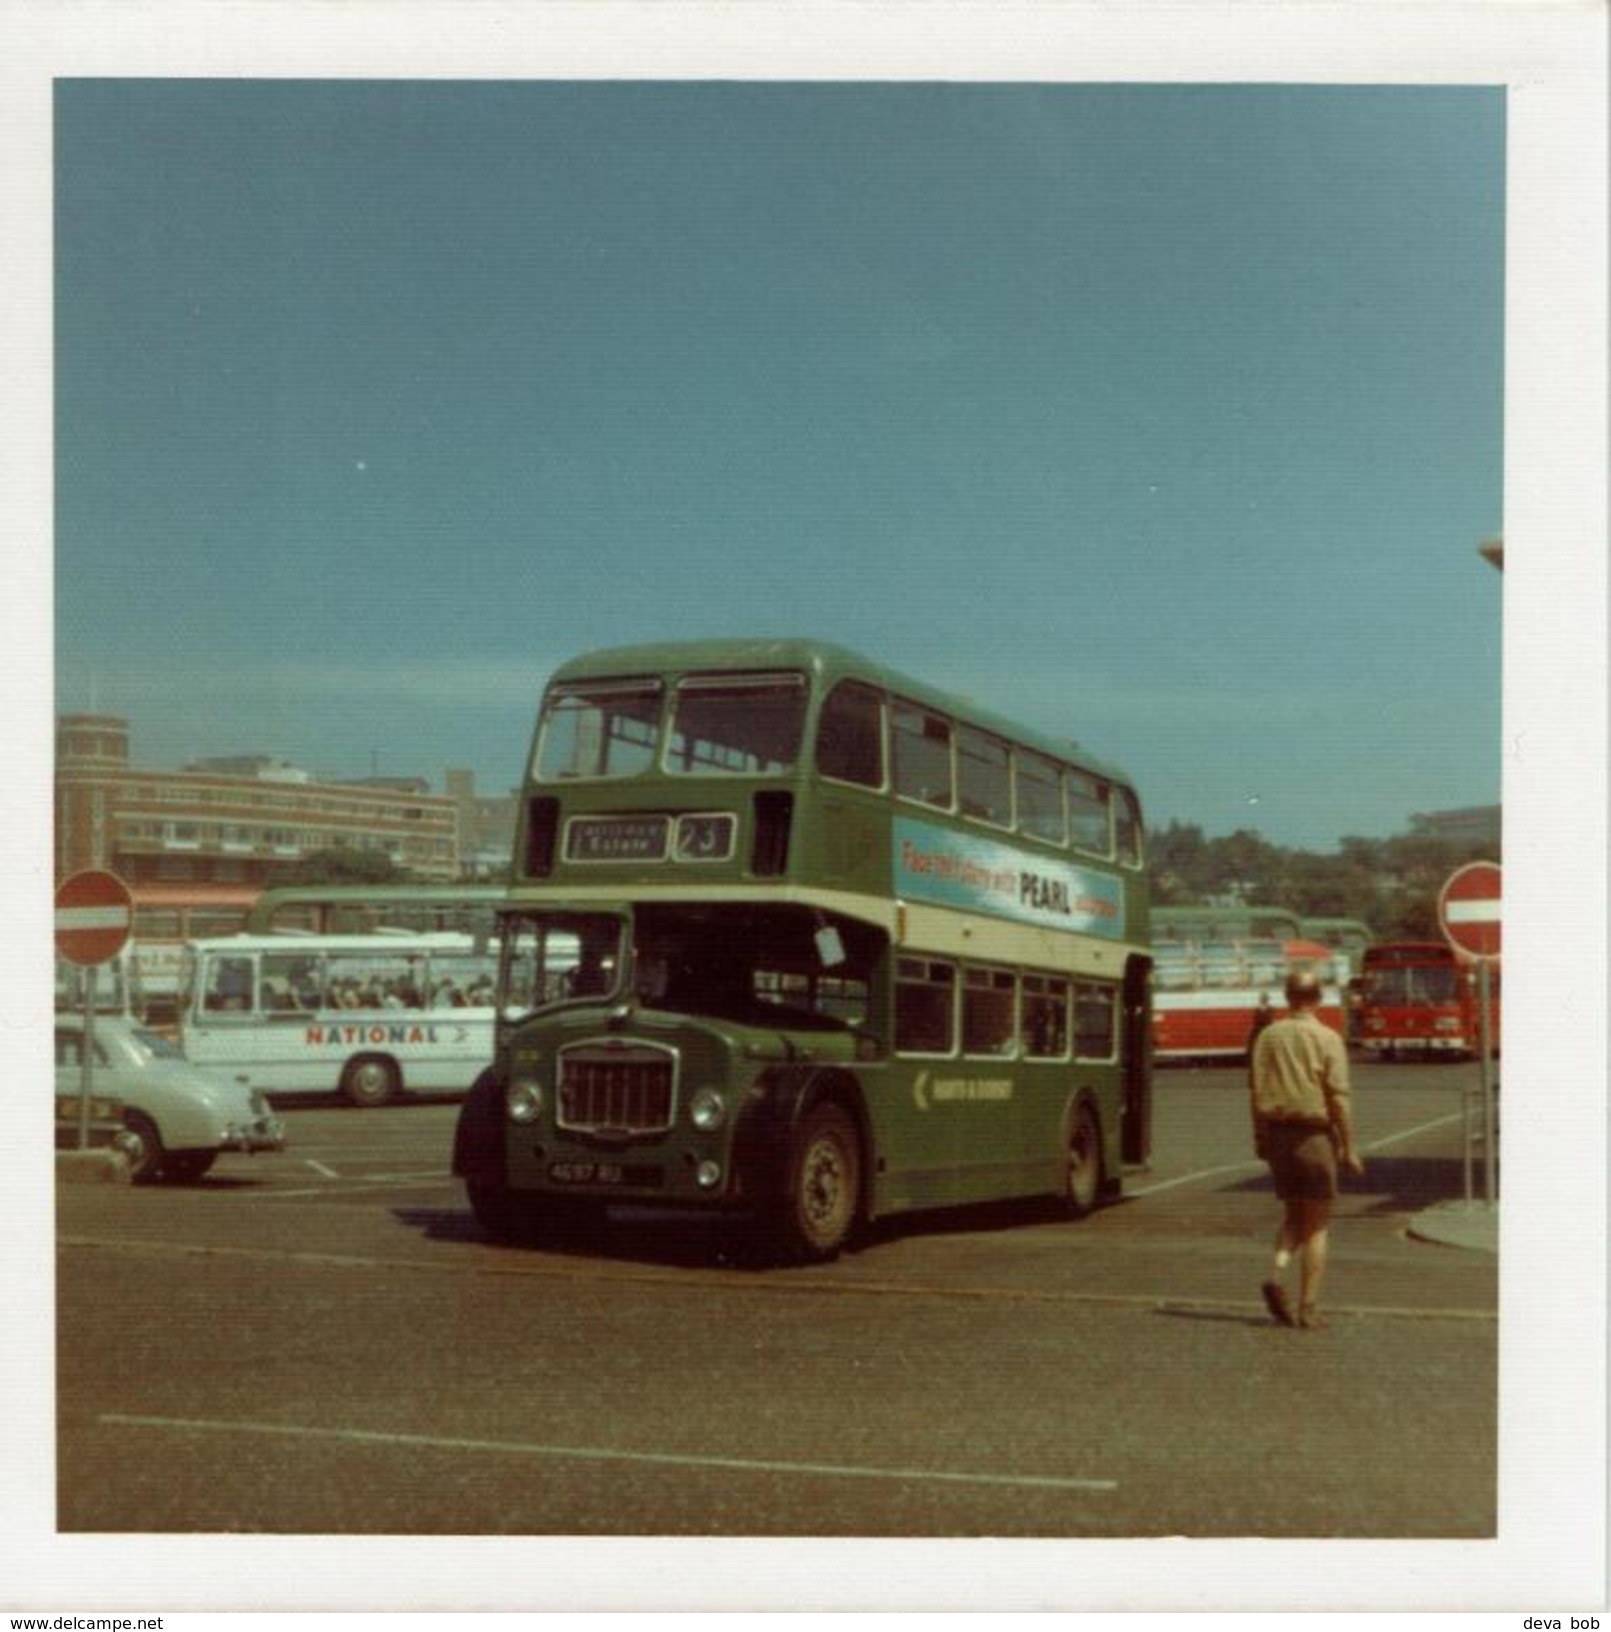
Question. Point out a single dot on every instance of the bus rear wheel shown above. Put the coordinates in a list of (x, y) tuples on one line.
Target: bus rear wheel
[(822, 1192), (1082, 1169), (370, 1081)]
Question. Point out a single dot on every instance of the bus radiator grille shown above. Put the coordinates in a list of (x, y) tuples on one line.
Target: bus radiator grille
[(616, 1088)]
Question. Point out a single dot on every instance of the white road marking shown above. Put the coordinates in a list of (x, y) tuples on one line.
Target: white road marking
[(381, 1181), (319, 1167), (536, 1267), (1256, 1166), (596, 1453)]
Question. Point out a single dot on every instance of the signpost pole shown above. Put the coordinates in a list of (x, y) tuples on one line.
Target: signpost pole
[(87, 1078), (1490, 1184), (1471, 917), (1467, 1116), (94, 913)]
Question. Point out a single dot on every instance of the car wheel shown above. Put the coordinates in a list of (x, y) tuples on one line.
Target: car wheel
[(1082, 1171), (822, 1194), (143, 1147), (186, 1166), (371, 1081)]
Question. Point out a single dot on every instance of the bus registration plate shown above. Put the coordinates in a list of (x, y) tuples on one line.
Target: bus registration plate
[(603, 1173)]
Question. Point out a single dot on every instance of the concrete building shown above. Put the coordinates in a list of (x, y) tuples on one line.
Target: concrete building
[(241, 821), (486, 825), (1478, 824)]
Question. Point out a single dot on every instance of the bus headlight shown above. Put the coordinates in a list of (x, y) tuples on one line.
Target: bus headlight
[(707, 1110), (523, 1100)]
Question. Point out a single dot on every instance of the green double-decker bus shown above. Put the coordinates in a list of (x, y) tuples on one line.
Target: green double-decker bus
[(791, 935)]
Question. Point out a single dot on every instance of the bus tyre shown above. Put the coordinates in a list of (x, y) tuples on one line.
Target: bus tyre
[(143, 1148), (822, 1191), (499, 1212), (370, 1081), (1082, 1171)]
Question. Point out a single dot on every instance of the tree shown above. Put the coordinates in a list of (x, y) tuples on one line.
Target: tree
[(340, 865)]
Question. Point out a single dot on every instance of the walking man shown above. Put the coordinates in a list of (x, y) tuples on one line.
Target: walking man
[(1303, 1127)]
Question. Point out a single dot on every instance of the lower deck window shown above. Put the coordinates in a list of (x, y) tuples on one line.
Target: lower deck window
[(1095, 1025), (1045, 1017), (924, 1007), (989, 1017)]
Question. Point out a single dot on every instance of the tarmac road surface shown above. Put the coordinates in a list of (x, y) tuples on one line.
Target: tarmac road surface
[(321, 1342)]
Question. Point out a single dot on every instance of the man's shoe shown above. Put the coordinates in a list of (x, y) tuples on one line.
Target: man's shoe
[(1311, 1320), (1275, 1300)]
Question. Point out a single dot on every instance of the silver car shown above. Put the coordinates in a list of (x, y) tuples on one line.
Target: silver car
[(178, 1118)]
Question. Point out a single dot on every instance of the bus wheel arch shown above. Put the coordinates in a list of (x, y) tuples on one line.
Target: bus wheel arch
[(370, 1080), (818, 1195), (1084, 1162)]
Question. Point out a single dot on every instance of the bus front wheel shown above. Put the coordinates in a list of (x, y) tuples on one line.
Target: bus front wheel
[(499, 1212), (1082, 1172), (371, 1081), (822, 1187)]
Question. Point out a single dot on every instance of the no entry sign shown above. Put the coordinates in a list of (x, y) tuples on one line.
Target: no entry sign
[(94, 912), (1468, 909)]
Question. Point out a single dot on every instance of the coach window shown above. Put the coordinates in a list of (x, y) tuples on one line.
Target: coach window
[(231, 985), (850, 735), (925, 1008), (1045, 1017), (1039, 789), (1094, 1029), (989, 1018), (1088, 814), (921, 742)]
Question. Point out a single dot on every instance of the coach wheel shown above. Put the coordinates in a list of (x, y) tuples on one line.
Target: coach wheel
[(371, 1081), (186, 1166), (1082, 1173), (823, 1186), (142, 1145)]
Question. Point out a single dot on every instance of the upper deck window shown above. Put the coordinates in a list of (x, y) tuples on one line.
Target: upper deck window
[(850, 735), (737, 725), (1127, 822), (599, 728), (1040, 798), (922, 746), (984, 777), (1088, 813)]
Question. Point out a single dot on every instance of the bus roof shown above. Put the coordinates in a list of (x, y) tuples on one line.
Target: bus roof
[(827, 664), (378, 896)]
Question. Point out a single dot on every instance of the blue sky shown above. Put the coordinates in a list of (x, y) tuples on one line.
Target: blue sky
[(1166, 418)]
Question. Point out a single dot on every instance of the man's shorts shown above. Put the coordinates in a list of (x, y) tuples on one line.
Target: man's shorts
[(1302, 1160)]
